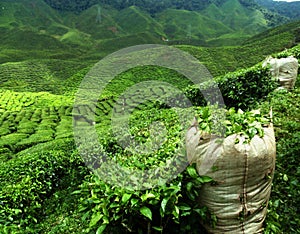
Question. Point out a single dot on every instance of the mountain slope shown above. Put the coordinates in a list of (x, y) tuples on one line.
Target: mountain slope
[(291, 30), (220, 60), (241, 20), (28, 25), (214, 23), (288, 9), (182, 24), (97, 21), (36, 16), (132, 20), (66, 67), (220, 22), (205, 21)]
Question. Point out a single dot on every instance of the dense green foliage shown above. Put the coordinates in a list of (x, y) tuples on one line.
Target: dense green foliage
[(149, 5), (75, 5), (89, 29), (35, 176), (283, 208), (241, 89), (45, 186), (169, 208)]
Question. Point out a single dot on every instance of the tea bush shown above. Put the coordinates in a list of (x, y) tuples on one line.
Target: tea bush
[(295, 51), (167, 208), (283, 207), (240, 89), (172, 207), (32, 176)]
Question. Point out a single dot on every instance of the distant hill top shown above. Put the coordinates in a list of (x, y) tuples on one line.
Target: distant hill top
[(73, 26), (85, 23), (287, 9)]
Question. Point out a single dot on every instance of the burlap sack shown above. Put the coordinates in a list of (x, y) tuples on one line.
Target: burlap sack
[(284, 69), (243, 175)]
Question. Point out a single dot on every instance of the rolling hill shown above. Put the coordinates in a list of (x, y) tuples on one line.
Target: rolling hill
[(288, 9), (183, 24), (211, 23), (25, 64), (38, 41)]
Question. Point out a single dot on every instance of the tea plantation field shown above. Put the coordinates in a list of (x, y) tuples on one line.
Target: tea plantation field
[(46, 187)]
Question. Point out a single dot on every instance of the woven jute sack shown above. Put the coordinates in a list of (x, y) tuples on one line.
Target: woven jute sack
[(243, 176), (284, 69)]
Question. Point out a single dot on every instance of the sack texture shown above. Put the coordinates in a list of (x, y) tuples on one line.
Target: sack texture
[(284, 69), (243, 174)]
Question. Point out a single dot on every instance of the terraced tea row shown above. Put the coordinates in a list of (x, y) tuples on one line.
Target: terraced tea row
[(17, 101), (27, 119), (40, 75), (20, 130)]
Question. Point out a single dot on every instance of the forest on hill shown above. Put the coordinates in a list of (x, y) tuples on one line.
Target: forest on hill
[(288, 9), (151, 6)]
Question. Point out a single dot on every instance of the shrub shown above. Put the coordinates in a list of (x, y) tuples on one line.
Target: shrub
[(295, 51), (241, 89), (64, 128), (5, 129), (30, 177), (47, 124), (42, 135), (160, 209), (27, 127), (168, 208), (5, 154), (11, 140), (283, 207)]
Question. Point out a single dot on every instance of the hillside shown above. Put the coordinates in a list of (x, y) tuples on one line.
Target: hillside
[(207, 23), (290, 29), (288, 9), (25, 64), (45, 52), (183, 24), (46, 187)]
